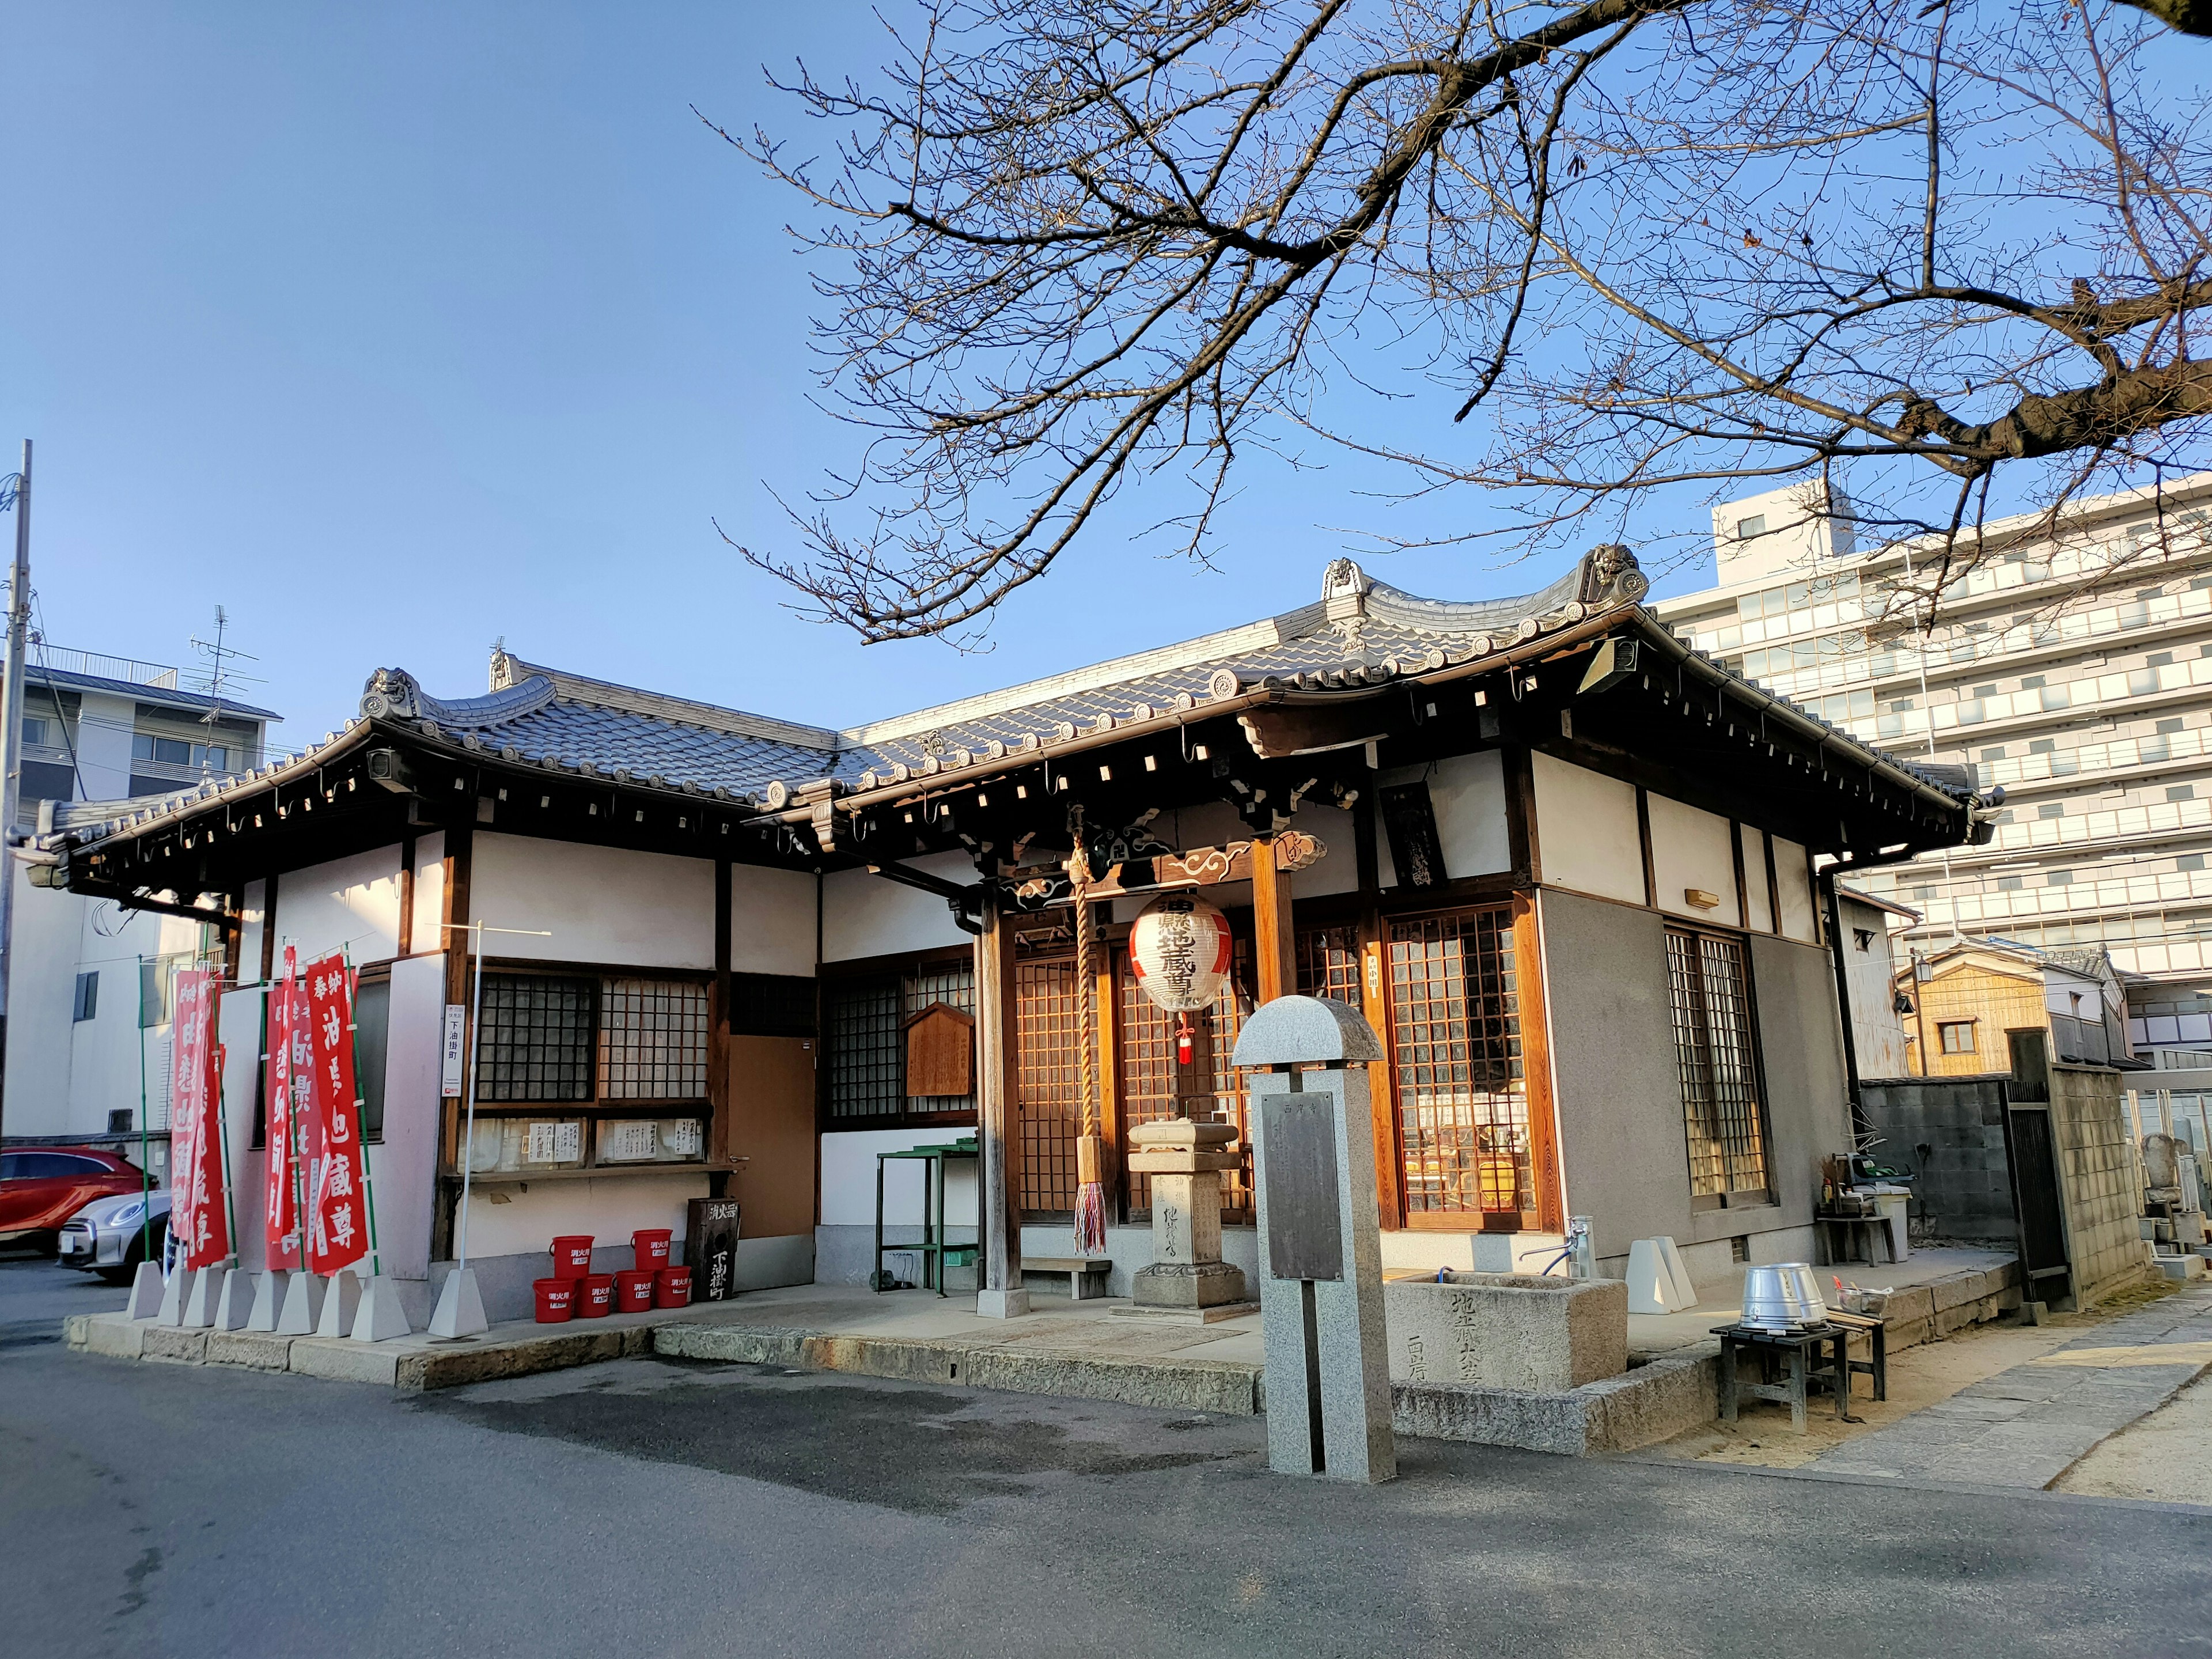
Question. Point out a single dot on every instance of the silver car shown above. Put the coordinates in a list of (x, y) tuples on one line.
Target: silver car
[(108, 1236)]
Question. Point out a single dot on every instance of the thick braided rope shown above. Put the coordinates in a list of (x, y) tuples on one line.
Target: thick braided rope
[(1086, 943)]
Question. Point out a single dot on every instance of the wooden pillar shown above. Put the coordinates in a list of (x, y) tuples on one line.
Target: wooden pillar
[(1375, 1003), (718, 1039), (1536, 1064), (405, 946), (1106, 999), (997, 1118), (453, 940), (268, 927), (1274, 941)]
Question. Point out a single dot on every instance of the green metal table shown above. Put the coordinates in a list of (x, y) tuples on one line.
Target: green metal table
[(936, 1252)]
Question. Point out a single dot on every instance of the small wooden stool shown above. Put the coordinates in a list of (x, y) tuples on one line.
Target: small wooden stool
[(1876, 1365), (1806, 1351)]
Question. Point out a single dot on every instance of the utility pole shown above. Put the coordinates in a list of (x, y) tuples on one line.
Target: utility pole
[(11, 744)]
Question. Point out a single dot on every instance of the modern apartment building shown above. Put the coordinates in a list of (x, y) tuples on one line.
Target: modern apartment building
[(2075, 670), (91, 986)]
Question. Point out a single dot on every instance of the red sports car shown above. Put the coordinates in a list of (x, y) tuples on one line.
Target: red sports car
[(42, 1186)]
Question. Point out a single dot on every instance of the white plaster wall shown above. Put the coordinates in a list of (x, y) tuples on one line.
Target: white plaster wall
[(609, 1208), (1877, 1032), (430, 892), (105, 1051), (848, 1179), (253, 917), (599, 903), (349, 903), (405, 1163), (42, 992), (1586, 831), (1793, 881), (1468, 794), (238, 1029), (103, 746), (1338, 870), (772, 915), (1757, 899), (1691, 848), (865, 915)]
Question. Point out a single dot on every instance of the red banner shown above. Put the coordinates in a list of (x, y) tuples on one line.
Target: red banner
[(290, 1065), (337, 1217), (196, 1213)]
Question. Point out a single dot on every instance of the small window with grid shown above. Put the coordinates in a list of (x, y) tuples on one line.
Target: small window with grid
[(1717, 1057), (866, 1077), (537, 1037), (652, 1040)]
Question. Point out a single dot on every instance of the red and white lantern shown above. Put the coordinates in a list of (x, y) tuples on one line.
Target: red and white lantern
[(1179, 950)]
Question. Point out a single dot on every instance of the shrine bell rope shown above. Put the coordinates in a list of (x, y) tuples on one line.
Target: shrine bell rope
[(1091, 1143)]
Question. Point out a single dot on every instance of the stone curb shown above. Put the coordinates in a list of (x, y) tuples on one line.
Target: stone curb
[(1217, 1386)]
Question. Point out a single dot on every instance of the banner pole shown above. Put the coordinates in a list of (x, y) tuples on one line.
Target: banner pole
[(145, 1134), (222, 1109), (360, 1120)]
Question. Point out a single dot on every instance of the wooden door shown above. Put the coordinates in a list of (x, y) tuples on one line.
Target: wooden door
[(2034, 1158), (772, 1123)]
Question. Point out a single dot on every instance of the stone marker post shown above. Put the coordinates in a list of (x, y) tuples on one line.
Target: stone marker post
[(1321, 1256), (1188, 1278)]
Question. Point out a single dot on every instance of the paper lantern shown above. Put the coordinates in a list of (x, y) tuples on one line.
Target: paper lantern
[(1179, 950)]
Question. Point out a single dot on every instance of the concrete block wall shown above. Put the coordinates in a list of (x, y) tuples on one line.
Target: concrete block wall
[(2096, 1168), (1963, 1186)]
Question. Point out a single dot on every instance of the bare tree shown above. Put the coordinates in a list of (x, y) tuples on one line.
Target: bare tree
[(1619, 245)]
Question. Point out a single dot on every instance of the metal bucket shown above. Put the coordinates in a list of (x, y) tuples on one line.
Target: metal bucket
[(1783, 1298)]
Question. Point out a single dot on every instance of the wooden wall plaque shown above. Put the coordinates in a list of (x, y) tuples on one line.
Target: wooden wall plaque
[(940, 1051)]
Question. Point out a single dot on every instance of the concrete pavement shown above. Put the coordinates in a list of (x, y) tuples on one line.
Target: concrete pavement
[(2026, 1426), (667, 1507)]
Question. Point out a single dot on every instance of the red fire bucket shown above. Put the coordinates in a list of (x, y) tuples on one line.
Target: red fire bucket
[(634, 1290), (671, 1288), (572, 1256), (595, 1296), (556, 1300), (649, 1248)]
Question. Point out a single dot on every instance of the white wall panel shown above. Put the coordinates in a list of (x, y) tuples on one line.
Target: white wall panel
[(600, 903), (348, 903), (1586, 831), (1793, 881), (865, 915), (848, 1179), (430, 892), (1691, 848), (1759, 902), (609, 1208), (772, 914)]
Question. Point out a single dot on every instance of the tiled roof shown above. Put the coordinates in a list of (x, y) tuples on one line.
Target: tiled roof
[(1359, 634)]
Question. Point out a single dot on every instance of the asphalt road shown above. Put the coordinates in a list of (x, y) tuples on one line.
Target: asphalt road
[(651, 1508)]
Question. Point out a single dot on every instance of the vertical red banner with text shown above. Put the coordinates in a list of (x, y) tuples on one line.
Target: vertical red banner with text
[(337, 1218), (289, 1064), (196, 1213)]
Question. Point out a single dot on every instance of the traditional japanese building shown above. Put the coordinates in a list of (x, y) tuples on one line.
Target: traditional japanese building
[(1579, 876)]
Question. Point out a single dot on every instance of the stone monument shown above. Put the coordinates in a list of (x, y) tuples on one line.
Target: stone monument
[(1188, 1278), (1321, 1256)]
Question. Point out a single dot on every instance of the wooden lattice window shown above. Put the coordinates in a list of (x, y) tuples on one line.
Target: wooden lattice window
[(1147, 1074), (1048, 1083), (863, 1016), (1329, 963), (537, 1040), (1717, 1057), (1462, 1103), (652, 1040)]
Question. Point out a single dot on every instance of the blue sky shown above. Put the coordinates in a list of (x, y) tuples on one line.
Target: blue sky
[(398, 329)]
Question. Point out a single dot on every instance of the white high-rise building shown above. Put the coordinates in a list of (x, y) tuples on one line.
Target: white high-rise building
[(2076, 670)]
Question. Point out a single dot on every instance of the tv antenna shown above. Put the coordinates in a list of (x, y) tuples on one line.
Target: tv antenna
[(220, 655)]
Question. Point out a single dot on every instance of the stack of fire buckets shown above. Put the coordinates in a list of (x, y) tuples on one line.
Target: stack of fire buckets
[(574, 1291)]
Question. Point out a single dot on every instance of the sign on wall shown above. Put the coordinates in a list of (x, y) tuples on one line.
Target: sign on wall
[(456, 1050)]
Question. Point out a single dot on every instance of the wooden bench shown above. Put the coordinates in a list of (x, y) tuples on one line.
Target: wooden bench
[(1086, 1274), (1876, 1365)]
